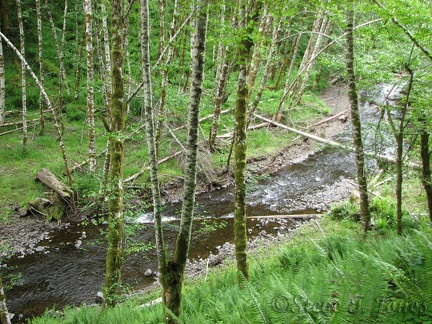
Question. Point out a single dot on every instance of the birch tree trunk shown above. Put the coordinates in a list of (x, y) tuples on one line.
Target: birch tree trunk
[(115, 207), (23, 73), (240, 142), (2, 84), (61, 54), (4, 315), (48, 103), (87, 4), (174, 269), (355, 119), (41, 67)]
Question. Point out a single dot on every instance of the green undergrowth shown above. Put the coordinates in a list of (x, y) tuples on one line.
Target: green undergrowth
[(326, 273)]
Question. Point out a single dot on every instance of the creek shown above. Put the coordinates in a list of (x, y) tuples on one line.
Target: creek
[(69, 267)]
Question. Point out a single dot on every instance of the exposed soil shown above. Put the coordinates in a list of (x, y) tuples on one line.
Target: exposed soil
[(20, 235)]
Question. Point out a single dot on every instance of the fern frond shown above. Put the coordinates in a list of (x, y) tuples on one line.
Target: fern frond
[(253, 296)]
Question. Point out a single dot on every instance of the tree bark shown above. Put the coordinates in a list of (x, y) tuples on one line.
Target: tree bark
[(150, 137), (174, 269), (355, 119), (41, 67), (87, 4), (115, 208), (240, 142), (23, 73)]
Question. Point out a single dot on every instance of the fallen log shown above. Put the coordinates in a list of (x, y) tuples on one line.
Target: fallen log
[(335, 144), (63, 201), (145, 168), (18, 123)]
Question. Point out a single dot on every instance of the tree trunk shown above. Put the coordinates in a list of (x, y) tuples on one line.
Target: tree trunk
[(426, 169), (4, 315), (174, 269), (48, 103), (23, 73), (115, 207), (355, 119), (2, 84), (41, 67), (87, 4), (240, 143), (150, 137)]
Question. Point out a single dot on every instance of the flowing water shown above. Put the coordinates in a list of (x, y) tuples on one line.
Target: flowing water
[(67, 273)]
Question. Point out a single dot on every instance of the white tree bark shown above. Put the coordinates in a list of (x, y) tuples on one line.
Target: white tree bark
[(87, 4), (41, 66), (23, 73)]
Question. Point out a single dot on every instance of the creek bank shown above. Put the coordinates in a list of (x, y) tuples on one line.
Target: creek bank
[(21, 235)]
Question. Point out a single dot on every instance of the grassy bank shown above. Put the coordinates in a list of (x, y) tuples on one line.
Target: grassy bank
[(324, 273)]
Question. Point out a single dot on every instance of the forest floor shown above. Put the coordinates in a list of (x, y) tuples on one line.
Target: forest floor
[(20, 235)]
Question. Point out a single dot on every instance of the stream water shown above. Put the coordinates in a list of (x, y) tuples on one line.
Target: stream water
[(67, 274)]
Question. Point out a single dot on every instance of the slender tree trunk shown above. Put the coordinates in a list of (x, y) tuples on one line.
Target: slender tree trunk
[(174, 269), (151, 140), (355, 118), (41, 67), (87, 4), (240, 144), (2, 84), (48, 103), (23, 73), (4, 315), (426, 169), (115, 207)]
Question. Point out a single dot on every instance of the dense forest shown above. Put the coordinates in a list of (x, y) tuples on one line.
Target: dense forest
[(106, 102)]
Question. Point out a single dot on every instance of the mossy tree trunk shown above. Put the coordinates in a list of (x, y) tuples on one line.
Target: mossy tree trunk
[(173, 270), (249, 17), (355, 119), (114, 258), (87, 4), (4, 315)]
